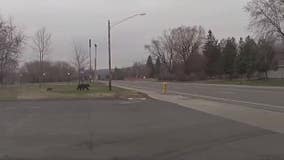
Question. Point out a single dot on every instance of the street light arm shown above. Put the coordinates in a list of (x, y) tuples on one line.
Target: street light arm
[(126, 19)]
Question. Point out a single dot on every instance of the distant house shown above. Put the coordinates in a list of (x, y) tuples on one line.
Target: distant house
[(279, 74), (103, 74)]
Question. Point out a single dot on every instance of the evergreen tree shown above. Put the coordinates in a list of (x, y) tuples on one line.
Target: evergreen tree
[(221, 61), (241, 69), (118, 74), (158, 67), (266, 57), (246, 61), (150, 67), (229, 57), (212, 54)]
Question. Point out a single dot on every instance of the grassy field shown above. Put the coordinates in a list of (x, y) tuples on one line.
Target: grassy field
[(274, 83), (64, 91)]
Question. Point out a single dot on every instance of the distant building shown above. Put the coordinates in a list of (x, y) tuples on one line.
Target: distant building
[(279, 74), (103, 74)]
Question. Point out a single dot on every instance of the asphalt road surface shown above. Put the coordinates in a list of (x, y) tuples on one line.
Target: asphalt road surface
[(127, 130), (269, 98)]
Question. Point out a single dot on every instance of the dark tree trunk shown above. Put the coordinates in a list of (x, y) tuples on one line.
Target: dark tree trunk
[(266, 75)]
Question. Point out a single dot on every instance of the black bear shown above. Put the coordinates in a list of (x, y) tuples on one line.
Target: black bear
[(83, 87), (49, 89)]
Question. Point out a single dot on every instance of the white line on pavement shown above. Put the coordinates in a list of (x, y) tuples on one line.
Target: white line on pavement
[(223, 99), (228, 100)]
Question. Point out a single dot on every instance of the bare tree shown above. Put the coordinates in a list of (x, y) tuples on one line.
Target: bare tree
[(162, 49), (11, 42), (157, 50), (187, 41), (177, 45), (267, 17), (80, 59), (168, 45), (42, 44)]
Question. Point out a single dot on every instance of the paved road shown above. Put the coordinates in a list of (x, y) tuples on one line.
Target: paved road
[(127, 130), (270, 98)]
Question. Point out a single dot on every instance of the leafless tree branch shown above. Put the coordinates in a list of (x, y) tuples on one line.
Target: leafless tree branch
[(267, 17), (42, 44), (80, 58), (11, 44)]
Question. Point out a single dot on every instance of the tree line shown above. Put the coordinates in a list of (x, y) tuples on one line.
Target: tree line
[(13, 41), (196, 57), (58, 71), (187, 53)]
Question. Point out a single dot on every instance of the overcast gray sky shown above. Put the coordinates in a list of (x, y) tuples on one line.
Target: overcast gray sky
[(80, 20)]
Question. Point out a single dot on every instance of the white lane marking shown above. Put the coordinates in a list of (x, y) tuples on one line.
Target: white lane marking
[(221, 99), (231, 85), (27, 108), (10, 108), (35, 107), (228, 92), (230, 89), (228, 100)]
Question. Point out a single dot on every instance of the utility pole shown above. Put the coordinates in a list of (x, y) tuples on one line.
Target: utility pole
[(109, 56), (109, 43), (96, 56), (90, 55)]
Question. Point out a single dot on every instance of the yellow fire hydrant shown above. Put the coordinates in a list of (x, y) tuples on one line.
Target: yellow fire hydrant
[(165, 88)]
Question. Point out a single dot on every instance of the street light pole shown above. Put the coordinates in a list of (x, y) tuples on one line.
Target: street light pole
[(109, 43), (109, 56), (90, 54), (96, 57)]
